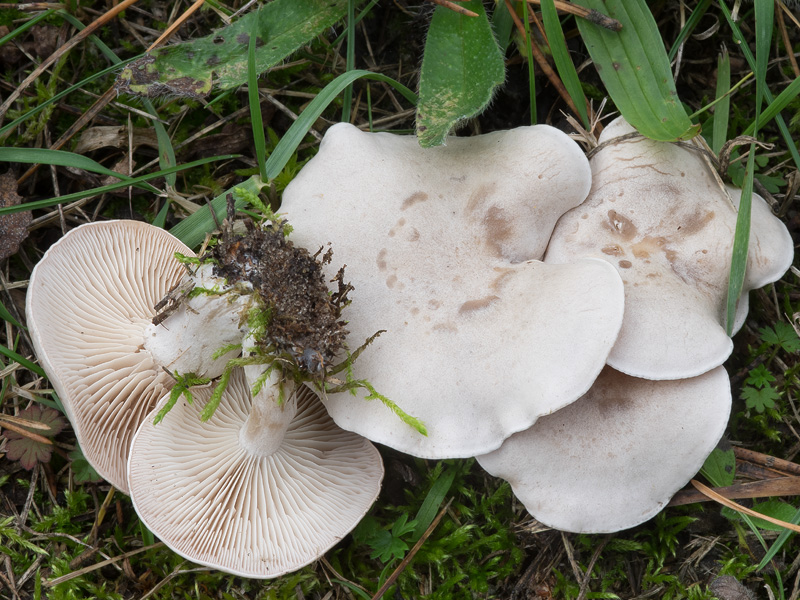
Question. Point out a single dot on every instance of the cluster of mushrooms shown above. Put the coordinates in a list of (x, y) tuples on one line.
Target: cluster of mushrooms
[(557, 318)]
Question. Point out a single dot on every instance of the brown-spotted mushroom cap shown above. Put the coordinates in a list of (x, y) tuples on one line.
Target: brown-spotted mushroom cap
[(89, 301), (657, 213), (256, 501), (440, 246), (614, 458)]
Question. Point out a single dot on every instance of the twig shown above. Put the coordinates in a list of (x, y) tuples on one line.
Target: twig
[(407, 559), (100, 565), (784, 486), (590, 15), (771, 462), (707, 491), (172, 28), (588, 576), (786, 41), (455, 7)]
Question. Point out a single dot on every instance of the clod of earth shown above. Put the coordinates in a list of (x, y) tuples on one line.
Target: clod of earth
[(657, 213), (13, 227), (442, 247)]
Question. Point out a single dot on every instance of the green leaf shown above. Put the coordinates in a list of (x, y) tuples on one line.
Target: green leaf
[(189, 69), (760, 399), (82, 470), (782, 335), (759, 377), (720, 467), (634, 67), (461, 67), (29, 451)]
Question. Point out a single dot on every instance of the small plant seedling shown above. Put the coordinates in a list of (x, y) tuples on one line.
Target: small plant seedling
[(30, 435)]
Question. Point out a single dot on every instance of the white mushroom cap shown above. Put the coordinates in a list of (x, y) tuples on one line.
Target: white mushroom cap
[(89, 301), (217, 504), (657, 213), (438, 243), (614, 458)]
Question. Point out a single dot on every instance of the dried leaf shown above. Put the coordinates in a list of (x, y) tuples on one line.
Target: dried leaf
[(27, 450), (14, 227)]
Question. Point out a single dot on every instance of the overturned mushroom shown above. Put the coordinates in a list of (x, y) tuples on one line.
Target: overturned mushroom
[(89, 302), (259, 490), (657, 213), (614, 458), (441, 245)]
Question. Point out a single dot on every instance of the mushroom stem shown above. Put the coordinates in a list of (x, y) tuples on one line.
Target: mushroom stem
[(199, 325), (263, 432)]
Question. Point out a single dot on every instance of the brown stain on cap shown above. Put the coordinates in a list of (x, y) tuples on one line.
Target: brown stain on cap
[(471, 306), (413, 199), (498, 229), (621, 225)]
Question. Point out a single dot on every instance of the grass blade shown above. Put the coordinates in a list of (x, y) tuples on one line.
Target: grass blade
[(254, 100), (564, 66), (719, 134), (192, 230), (741, 241), (635, 69), (109, 188), (691, 24), (350, 61), (10, 354), (430, 506), (529, 59), (5, 315), (775, 106), (63, 158), (295, 134), (25, 26), (751, 61)]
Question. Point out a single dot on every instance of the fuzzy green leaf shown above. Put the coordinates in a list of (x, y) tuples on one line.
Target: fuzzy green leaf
[(635, 69), (461, 67), (189, 69)]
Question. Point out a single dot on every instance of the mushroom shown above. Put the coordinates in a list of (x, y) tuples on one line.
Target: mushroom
[(441, 245), (614, 458), (657, 213), (259, 490), (89, 302)]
